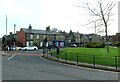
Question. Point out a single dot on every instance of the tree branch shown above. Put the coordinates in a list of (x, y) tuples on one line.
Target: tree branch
[(93, 13)]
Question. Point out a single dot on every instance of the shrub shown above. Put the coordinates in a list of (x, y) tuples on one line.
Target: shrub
[(95, 45), (118, 44), (114, 44)]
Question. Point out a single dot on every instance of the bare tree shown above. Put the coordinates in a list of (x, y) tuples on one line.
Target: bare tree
[(101, 11), (54, 29)]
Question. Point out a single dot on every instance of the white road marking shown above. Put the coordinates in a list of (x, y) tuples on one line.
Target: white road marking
[(11, 57)]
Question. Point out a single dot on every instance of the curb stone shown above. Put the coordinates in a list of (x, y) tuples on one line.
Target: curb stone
[(107, 68)]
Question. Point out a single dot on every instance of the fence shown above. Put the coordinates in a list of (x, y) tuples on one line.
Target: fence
[(86, 59)]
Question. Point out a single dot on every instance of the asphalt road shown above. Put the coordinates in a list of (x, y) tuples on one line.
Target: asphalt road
[(32, 67)]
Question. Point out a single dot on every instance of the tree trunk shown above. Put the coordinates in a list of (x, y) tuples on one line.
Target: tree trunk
[(105, 23), (107, 46)]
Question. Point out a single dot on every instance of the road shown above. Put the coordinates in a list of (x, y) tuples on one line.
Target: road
[(32, 67)]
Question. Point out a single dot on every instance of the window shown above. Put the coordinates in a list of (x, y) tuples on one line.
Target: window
[(31, 36), (27, 35), (31, 43), (44, 36), (27, 43), (37, 36), (41, 44)]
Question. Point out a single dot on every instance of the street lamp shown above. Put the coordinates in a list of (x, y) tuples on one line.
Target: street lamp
[(6, 31), (30, 31), (14, 34)]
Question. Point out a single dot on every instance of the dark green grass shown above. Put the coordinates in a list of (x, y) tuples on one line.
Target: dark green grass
[(101, 56)]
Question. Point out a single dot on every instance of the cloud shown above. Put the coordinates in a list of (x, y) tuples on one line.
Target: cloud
[(61, 14)]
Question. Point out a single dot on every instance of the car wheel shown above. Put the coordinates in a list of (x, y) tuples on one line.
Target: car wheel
[(25, 49), (34, 48)]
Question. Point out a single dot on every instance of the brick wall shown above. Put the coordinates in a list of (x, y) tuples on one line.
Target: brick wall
[(22, 37)]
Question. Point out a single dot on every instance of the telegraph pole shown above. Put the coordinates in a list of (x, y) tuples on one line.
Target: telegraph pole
[(6, 33), (14, 28), (14, 33), (6, 25)]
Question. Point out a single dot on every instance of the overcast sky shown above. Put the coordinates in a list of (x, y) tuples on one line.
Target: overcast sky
[(61, 14)]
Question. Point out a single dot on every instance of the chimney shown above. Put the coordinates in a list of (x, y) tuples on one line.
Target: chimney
[(30, 27), (11, 33), (48, 28), (17, 31)]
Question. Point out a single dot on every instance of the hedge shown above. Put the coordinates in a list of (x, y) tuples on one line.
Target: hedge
[(95, 45)]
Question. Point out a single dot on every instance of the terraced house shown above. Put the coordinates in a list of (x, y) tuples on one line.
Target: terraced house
[(81, 39), (30, 37)]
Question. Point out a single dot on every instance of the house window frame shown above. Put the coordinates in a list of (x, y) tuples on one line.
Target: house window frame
[(37, 36), (31, 36)]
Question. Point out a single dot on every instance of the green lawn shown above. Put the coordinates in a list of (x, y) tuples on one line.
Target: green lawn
[(86, 55)]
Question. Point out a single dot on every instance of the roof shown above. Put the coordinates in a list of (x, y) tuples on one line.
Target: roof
[(77, 34), (36, 31)]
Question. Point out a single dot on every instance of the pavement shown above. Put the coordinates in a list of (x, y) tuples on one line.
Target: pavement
[(101, 67)]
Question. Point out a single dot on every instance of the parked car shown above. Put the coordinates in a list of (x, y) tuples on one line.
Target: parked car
[(13, 48), (73, 45), (19, 48), (30, 48)]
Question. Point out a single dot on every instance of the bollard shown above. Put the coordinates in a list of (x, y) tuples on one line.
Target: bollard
[(57, 57), (94, 61), (77, 59), (116, 62), (58, 50), (51, 55), (66, 57)]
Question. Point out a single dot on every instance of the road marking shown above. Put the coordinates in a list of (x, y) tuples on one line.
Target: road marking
[(11, 57)]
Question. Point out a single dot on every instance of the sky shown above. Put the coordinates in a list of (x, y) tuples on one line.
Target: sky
[(61, 14)]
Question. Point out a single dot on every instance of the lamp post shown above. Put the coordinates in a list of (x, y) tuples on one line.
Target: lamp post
[(14, 34), (6, 31), (6, 25)]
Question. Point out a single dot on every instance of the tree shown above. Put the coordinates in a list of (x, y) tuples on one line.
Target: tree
[(54, 29), (45, 42), (3, 40), (35, 43), (101, 11)]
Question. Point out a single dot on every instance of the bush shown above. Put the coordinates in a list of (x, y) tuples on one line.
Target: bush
[(114, 44), (95, 45), (117, 44)]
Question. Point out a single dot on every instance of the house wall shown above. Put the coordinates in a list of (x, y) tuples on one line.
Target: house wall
[(97, 38), (116, 38), (22, 37)]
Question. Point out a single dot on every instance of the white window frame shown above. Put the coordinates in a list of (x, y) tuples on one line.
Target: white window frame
[(37, 36), (31, 36)]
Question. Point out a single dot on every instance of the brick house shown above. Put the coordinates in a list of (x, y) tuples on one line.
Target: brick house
[(29, 36), (116, 38)]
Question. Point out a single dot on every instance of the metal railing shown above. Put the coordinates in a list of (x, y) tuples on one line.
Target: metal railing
[(93, 60)]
